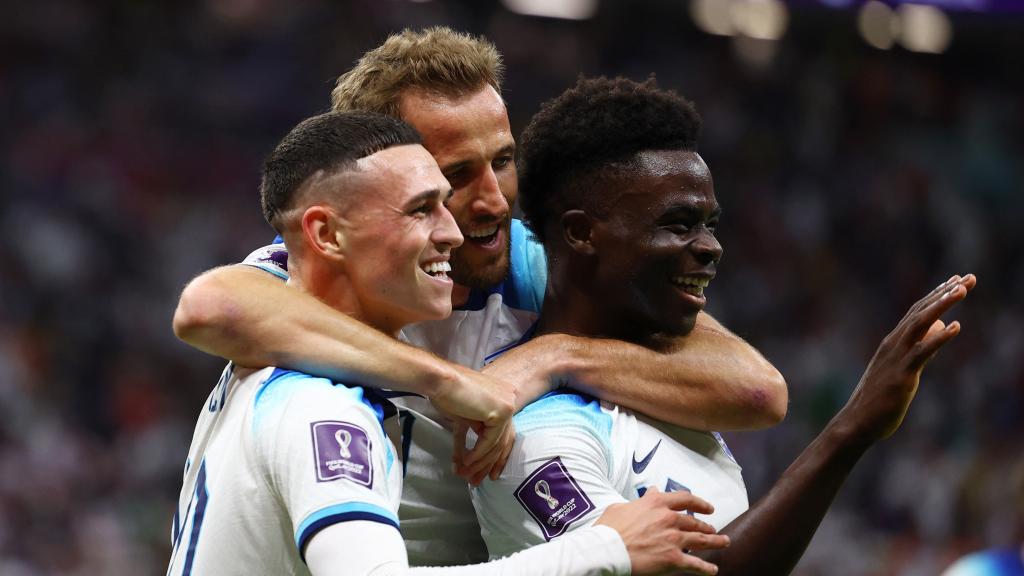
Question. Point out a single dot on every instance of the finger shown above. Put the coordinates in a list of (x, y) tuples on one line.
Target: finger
[(699, 541), (693, 565), (932, 296), (930, 346), (487, 439), (690, 524), (479, 469), (927, 316), (680, 501), (969, 281), (500, 465), (459, 449), (936, 292)]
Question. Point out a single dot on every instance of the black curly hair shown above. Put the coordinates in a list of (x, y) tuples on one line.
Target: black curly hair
[(589, 128)]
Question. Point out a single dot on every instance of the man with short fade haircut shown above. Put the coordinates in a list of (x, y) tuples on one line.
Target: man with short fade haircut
[(290, 473), (625, 206), (447, 85)]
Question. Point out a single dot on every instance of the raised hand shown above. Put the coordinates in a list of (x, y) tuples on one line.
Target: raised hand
[(659, 538), (880, 402)]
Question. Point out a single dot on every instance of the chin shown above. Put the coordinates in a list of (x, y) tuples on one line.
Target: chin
[(482, 275), (683, 326)]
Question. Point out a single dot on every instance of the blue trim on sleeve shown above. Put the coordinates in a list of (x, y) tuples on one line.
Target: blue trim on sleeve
[(347, 512), (566, 407)]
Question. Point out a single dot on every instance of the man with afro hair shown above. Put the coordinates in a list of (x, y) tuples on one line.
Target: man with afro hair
[(611, 181)]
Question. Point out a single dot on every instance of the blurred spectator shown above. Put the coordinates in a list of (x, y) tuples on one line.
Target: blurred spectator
[(852, 180)]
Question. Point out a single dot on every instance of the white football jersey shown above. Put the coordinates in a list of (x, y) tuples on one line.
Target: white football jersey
[(438, 521), (276, 457), (575, 455)]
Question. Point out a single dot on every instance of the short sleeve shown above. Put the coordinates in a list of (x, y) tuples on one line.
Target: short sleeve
[(324, 453), (272, 258), (557, 478)]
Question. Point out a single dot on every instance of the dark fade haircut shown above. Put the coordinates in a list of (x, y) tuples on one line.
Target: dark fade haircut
[(589, 128), (330, 142)]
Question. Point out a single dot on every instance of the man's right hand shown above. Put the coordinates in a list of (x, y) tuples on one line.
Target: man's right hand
[(484, 404), (659, 538)]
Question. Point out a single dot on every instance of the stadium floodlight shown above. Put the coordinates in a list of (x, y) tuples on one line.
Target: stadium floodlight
[(760, 19), (924, 28), (878, 24), (563, 9), (713, 16)]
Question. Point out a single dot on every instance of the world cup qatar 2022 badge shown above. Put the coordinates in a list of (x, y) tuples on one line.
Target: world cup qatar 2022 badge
[(553, 497), (342, 450)]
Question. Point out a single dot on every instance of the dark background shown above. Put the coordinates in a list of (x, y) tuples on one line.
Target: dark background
[(853, 180)]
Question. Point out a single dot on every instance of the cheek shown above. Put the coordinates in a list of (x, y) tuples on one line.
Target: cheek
[(508, 182)]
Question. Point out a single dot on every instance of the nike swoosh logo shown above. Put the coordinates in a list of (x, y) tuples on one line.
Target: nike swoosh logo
[(641, 465)]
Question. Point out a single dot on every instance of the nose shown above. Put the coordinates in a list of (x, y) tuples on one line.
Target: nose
[(488, 199), (446, 234), (706, 247)]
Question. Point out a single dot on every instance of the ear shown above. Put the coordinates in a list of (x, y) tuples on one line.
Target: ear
[(322, 232), (577, 229)]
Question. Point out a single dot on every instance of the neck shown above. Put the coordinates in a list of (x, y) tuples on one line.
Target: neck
[(460, 295), (573, 306), (334, 289)]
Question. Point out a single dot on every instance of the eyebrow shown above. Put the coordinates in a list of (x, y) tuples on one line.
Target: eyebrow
[(506, 150), (691, 211), (426, 195)]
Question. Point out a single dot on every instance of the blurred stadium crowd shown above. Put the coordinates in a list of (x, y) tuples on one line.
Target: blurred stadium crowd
[(852, 180)]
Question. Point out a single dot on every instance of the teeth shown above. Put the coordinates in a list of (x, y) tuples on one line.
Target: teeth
[(482, 232), (439, 268), (692, 285)]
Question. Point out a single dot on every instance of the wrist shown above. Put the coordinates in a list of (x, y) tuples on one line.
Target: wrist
[(559, 362), (847, 434)]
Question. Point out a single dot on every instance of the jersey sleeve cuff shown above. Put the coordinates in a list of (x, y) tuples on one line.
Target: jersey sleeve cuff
[(347, 512), (605, 541)]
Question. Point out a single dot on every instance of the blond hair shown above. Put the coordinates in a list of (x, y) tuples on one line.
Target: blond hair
[(437, 60)]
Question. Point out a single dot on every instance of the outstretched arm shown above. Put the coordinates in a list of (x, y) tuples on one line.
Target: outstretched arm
[(642, 537), (801, 497), (248, 316), (710, 380)]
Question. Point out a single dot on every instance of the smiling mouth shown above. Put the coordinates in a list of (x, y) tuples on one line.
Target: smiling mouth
[(483, 236), (691, 284), (438, 270)]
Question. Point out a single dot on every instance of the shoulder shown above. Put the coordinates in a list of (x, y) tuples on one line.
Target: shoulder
[(301, 394), (566, 409)]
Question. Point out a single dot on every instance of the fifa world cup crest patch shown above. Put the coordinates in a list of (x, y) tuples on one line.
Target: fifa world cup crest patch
[(553, 497), (342, 450)]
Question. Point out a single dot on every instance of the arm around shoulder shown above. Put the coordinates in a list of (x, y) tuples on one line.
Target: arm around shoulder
[(708, 380)]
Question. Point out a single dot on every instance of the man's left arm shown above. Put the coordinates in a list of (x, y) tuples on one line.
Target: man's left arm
[(710, 379)]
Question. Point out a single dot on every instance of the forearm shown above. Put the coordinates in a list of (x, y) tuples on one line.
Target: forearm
[(596, 550), (709, 380), (798, 502), (247, 316)]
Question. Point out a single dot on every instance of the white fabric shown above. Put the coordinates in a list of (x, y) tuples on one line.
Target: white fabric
[(593, 551), (437, 517), (276, 457), (574, 456)]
